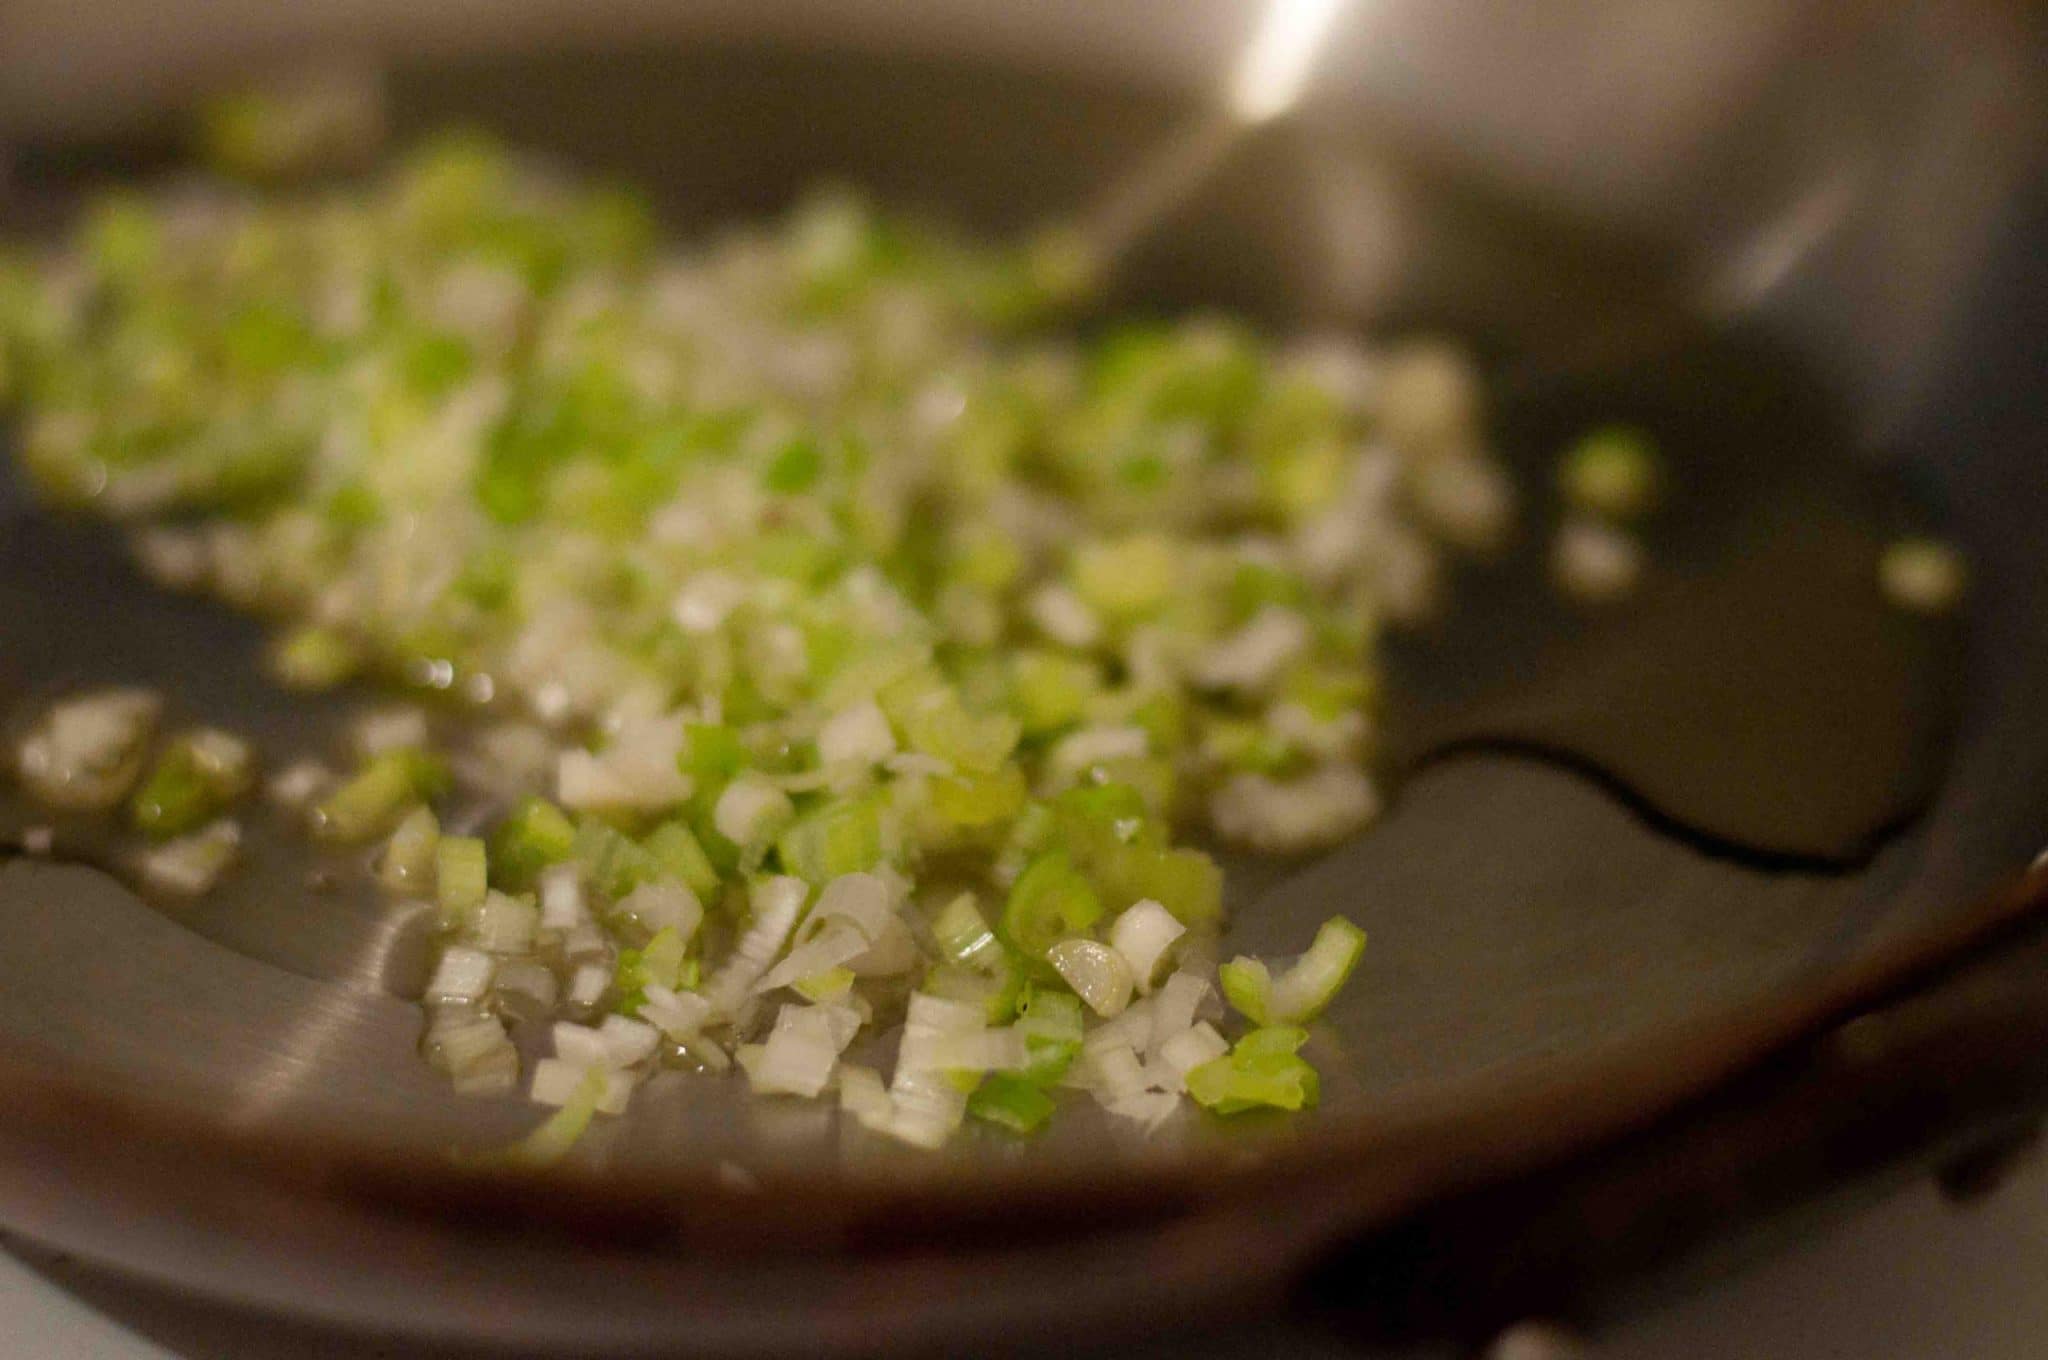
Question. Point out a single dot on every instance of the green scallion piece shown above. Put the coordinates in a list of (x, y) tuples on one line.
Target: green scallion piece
[(314, 658), (534, 835), (373, 800), (1050, 902), (196, 778), (1011, 1102), (1262, 1070), (551, 1142), (1052, 1025), (461, 876), (676, 849), (843, 837)]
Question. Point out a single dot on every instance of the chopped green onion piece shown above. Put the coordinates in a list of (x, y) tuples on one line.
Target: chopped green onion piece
[(937, 724), (1098, 974), (1051, 690), (1248, 987), (1263, 1070), (1050, 902), (1268, 1040), (314, 658), (1012, 1102), (712, 753), (662, 963), (995, 992), (965, 938), (1127, 577), (830, 985), (551, 1142), (410, 853), (1231, 1085), (1051, 1023), (1613, 472), (843, 837), (614, 863), (1306, 989), (371, 802), (1923, 575), (752, 812), (972, 799), (461, 876), (1097, 821), (535, 835), (195, 779), (662, 959), (1185, 881), (676, 849), (795, 467)]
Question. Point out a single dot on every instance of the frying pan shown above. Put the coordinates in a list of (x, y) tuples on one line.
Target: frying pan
[(1681, 913)]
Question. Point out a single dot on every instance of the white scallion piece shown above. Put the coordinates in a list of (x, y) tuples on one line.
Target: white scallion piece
[(191, 865), (556, 1082), (475, 1052), (627, 1042), (504, 924), (1191, 1048), (1147, 1109), (1176, 1007), (581, 1045), (706, 601), (802, 1050), (777, 902), (1143, 934), (388, 729), (1466, 499), (856, 735), (587, 985), (1077, 752), (679, 1015), (87, 751), (1133, 1028), (1098, 974), (663, 905), (462, 975), (837, 944), (927, 1104), (1250, 658), (751, 811), (1286, 815), (1923, 575), (299, 783), (985, 1050), (1595, 562), (1064, 617), (562, 904), (862, 1095)]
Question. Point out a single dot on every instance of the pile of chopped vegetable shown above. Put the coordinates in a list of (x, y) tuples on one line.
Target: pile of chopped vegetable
[(850, 645)]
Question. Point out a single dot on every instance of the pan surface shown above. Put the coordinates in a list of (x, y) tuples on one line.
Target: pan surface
[(1627, 854)]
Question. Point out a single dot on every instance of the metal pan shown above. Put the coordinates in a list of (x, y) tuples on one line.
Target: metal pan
[(1771, 235)]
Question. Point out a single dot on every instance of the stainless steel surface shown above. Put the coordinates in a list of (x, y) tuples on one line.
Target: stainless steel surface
[(1577, 181), (1914, 1276), (1839, 164)]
